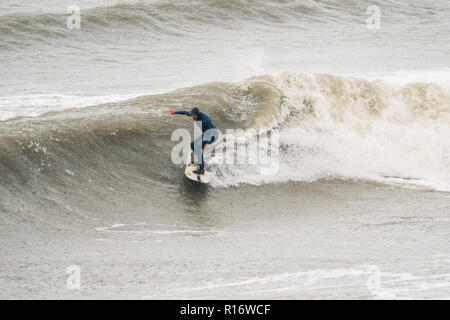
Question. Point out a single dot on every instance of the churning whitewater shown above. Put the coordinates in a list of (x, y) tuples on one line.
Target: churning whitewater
[(330, 127)]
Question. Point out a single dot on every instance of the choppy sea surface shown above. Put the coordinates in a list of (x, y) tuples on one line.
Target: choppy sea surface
[(358, 209)]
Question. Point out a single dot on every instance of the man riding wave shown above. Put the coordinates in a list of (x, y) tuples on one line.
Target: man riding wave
[(205, 139)]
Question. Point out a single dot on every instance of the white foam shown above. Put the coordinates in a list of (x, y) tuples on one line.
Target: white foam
[(402, 77)]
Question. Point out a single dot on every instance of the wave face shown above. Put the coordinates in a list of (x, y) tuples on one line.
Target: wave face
[(330, 127)]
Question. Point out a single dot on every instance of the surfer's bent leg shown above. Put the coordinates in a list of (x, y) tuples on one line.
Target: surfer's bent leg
[(209, 138)]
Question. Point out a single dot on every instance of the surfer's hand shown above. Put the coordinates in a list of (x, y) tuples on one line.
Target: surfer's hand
[(172, 111), (206, 146)]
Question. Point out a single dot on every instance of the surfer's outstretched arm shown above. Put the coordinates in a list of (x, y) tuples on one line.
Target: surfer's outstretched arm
[(186, 113)]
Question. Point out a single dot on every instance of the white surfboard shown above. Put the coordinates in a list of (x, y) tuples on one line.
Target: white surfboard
[(189, 172)]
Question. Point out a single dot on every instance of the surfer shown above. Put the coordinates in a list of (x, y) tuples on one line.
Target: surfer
[(205, 139)]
